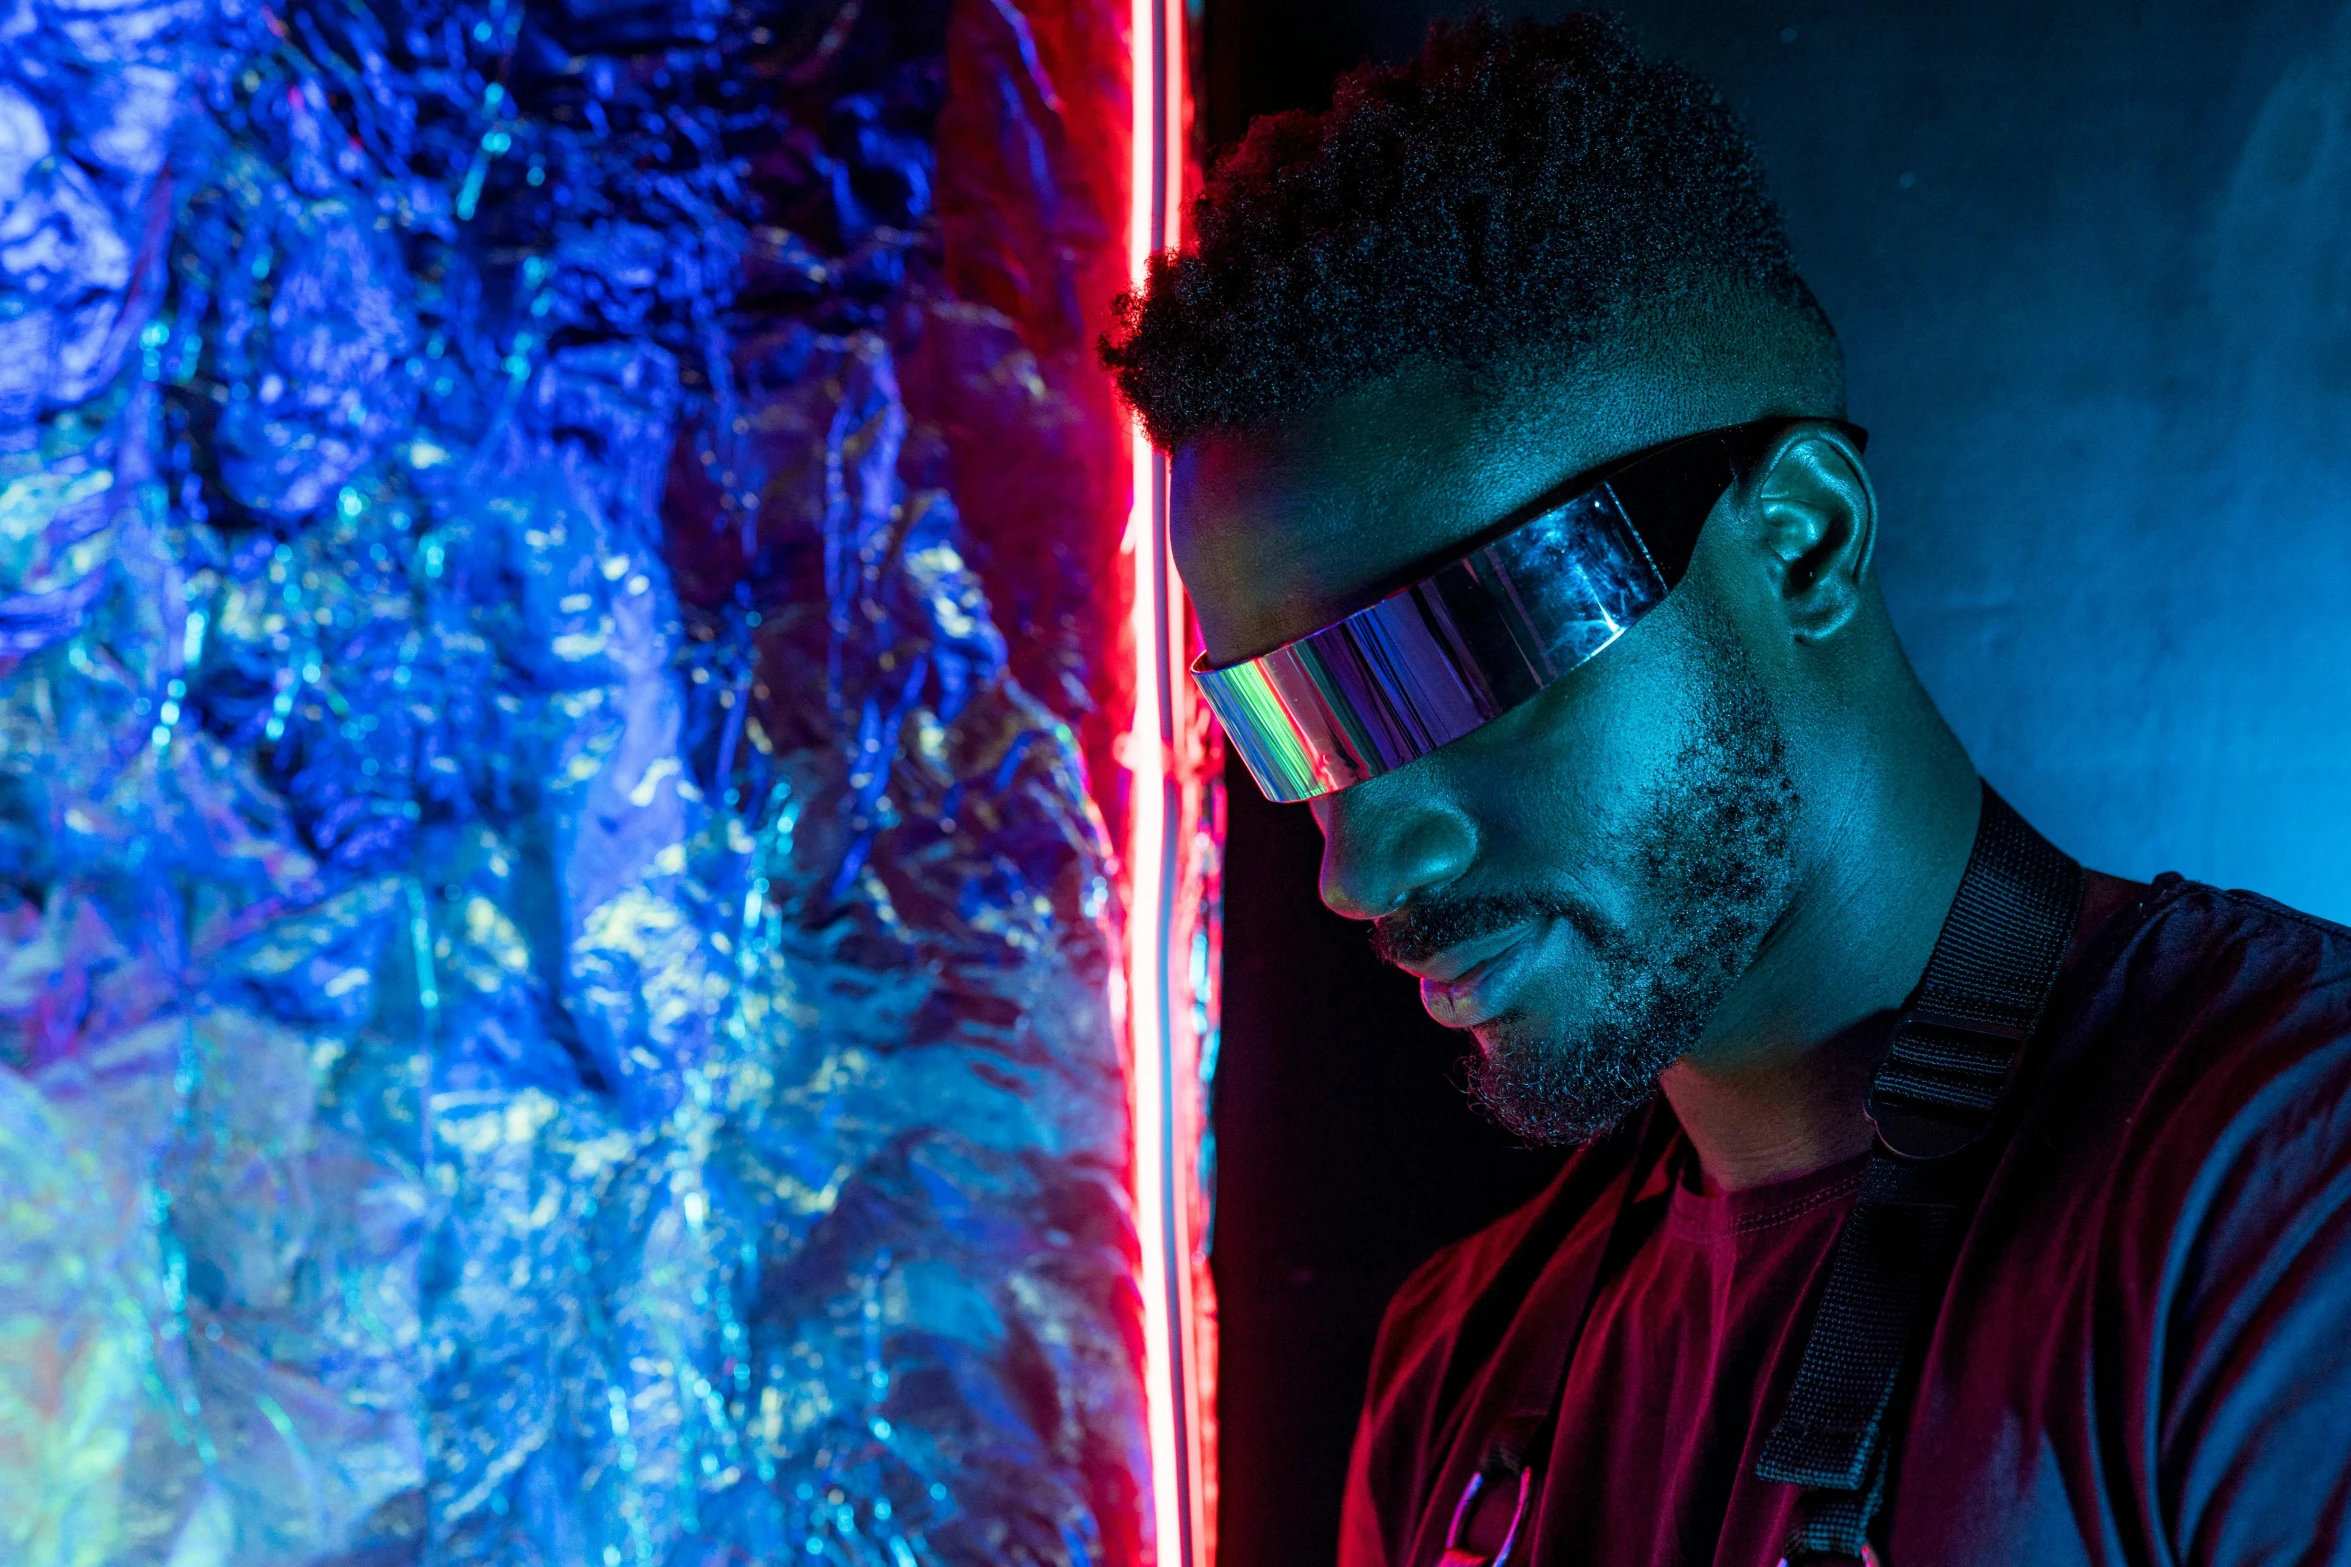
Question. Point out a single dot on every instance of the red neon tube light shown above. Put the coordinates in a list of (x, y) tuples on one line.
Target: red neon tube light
[(1170, 849)]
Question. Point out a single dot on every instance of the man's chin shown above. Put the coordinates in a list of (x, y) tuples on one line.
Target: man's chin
[(1548, 1119), (1556, 1091)]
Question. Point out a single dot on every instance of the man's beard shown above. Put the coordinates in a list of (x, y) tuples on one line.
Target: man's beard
[(1713, 844)]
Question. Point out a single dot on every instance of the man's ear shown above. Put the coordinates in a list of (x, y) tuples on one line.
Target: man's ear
[(1815, 516)]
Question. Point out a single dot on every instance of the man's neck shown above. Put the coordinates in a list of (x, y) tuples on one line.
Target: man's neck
[(1777, 1086), (1771, 1112), (1758, 1122)]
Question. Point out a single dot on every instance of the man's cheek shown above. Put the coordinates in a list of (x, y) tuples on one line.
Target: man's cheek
[(1562, 991), (1570, 822)]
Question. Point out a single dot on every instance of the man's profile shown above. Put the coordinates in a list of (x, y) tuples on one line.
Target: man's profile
[(1936, 1201)]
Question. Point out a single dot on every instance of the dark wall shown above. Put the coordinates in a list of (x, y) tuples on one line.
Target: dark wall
[(2092, 267)]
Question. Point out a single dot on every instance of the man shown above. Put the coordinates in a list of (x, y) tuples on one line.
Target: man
[(1990, 1212)]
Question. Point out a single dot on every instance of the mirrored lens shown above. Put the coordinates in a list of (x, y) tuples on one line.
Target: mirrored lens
[(1432, 662)]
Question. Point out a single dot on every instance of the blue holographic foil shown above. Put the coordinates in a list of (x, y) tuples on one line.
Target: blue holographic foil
[(554, 986)]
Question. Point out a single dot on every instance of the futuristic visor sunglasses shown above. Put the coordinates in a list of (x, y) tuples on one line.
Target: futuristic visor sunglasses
[(1530, 599)]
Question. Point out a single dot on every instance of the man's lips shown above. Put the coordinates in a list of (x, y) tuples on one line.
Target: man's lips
[(1467, 984), (1453, 963)]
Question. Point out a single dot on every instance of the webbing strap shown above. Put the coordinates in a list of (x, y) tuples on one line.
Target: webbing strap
[(1935, 1095)]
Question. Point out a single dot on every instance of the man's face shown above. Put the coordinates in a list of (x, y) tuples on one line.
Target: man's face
[(1579, 882)]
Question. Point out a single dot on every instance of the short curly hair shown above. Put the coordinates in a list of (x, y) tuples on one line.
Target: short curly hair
[(1512, 188)]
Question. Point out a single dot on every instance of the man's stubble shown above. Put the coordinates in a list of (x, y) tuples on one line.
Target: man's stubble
[(1713, 848)]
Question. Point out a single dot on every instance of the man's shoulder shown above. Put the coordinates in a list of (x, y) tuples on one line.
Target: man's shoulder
[(2226, 986), (1449, 1316), (2192, 923), (2197, 1093), (1434, 1297), (1445, 1328), (2154, 1285)]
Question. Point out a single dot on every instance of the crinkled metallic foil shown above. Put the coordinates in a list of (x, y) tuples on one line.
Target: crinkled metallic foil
[(555, 980)]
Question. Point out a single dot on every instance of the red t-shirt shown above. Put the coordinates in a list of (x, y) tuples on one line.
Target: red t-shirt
[(2143, 1355)]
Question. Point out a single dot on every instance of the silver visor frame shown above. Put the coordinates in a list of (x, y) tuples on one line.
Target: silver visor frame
[(1433, 661), (1488, 629)]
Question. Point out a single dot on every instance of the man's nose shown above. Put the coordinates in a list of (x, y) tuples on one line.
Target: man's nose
[(1383, 841)]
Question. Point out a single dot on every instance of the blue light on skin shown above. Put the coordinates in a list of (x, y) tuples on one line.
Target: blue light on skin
[(1281, 528)]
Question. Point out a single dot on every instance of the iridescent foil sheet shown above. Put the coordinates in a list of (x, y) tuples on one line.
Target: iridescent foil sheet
[(555, 948)]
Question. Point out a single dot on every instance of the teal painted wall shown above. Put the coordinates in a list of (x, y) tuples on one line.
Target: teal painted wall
[(2092, 266)]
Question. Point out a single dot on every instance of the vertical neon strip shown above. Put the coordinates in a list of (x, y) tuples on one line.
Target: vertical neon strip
[(1164, 1100), (1183, 1047)]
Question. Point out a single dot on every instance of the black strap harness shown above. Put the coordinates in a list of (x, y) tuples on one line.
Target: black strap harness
[(1935, 1099)]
